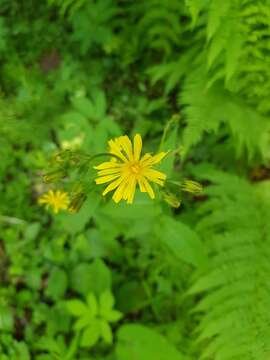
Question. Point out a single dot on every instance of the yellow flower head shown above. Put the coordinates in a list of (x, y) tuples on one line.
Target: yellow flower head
[(56, 199), (128, 169)]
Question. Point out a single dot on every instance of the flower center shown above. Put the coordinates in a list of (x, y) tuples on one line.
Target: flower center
[(135, 168)]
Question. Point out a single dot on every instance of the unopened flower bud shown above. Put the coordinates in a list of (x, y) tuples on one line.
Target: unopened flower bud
[(191, 186), (54, 176), (171, 199), (77, 202)]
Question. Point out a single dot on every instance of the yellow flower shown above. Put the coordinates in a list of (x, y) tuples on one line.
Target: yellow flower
[(128, 169), (56, 199)]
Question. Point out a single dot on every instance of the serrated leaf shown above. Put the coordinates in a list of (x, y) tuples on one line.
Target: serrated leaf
[(218, 11)]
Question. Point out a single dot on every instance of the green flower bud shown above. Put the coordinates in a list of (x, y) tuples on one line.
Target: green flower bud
[(54, 176), (77, 202), (171, 199), (191, 186)]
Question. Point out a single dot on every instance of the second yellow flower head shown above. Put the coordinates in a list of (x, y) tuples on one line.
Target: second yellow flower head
[(128, 169)]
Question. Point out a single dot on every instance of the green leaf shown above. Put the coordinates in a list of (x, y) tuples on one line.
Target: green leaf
[(101, 277), (113, 316), (92, 304), (218, 11), (76, 307), (94, 277), (32, 231), (74, 223), (131, 296), (6, 319), (106, 332), (106, 302), (81, 278), (140, 342), (182, 241), (84, 106), (57, 284), (91, 334), (83, 321)]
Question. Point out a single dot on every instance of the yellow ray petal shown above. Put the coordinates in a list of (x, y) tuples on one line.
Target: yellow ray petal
[(137, 143), (113, 185), (148, 188), (130, 188), (108, 165), (119, 192), (109, 171), (116, 150), (141, 185), (157, 181), (154, 159), (131, 191), (107, 178), (127, 146), (154, 174)]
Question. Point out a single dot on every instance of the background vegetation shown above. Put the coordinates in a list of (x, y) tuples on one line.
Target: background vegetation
[(138, 282)]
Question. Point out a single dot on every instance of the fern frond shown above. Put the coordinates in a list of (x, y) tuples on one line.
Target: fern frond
[(67, 6), (159, 26), (237, 46), (235, 291), (207, 109)]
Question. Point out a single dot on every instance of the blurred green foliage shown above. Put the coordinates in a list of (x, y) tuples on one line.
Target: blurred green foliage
[(147, 281)]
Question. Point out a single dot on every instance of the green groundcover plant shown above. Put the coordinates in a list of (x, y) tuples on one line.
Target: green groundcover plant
[(134, 180)]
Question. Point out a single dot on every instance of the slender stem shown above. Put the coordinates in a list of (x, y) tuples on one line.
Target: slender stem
[(105, 154), (177, 183), (173, 120)]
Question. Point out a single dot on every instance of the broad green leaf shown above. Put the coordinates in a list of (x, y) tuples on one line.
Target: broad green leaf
[(81, 278), (94, 277), (101, 277), (143, 343), (57, 284), (131, 296), (182, 241)]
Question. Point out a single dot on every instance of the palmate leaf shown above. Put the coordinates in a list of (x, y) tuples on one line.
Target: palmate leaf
[(235, 291)]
